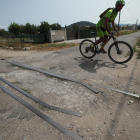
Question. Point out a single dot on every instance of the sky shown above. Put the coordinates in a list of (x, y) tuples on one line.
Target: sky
[(64, 12)]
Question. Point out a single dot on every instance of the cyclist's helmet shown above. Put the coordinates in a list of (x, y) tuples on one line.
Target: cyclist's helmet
[(120, 2)]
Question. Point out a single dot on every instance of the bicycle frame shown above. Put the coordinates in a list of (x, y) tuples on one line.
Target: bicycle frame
[(109, 37)]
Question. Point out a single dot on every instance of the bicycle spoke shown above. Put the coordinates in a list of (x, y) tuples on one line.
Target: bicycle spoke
[(86, 50), (121, 55)]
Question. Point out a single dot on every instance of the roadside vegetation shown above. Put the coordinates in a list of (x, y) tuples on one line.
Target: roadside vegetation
[(136, 49), (14, 45), (126, 32), (53, 46), (35, 46)]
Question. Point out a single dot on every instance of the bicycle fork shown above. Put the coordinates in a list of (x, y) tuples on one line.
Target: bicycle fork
[(117, 48)]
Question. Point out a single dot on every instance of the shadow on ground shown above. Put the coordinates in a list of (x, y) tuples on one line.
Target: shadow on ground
[(92, 66)]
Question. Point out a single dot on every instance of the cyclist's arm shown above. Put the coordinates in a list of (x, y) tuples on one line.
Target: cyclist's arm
[(114, 25), (106, 24)]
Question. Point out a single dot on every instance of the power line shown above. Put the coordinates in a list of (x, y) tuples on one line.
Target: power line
[(131, 12)]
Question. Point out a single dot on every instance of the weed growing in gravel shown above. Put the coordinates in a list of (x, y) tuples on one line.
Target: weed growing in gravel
[(42, 108), (23, 68), (134, 49), (138, 55), (26, 90), (137, 50), (53, 46), (15, 82), (138, 43), (50, 76), (137, 98)]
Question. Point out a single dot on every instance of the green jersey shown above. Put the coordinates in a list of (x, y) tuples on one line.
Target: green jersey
[(108, 14)]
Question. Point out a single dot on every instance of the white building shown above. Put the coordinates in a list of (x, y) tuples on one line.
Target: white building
[(129, 27)]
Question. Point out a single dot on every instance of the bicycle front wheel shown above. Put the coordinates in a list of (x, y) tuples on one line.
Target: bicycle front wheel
[(86, 50), (120, 52)]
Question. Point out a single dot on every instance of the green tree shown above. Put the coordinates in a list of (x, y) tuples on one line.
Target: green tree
[(30, 29), (14, 28), (34, 29), (56, 26), (3, 32), (22, 28), (75, 27), (44, 27)]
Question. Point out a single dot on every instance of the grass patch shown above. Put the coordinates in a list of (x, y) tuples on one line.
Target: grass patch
[(136, 49), (42, 108), (53, 46), (128, 54), (26, 90), (50, 76), (138, 55), (125, 32), (20, 67), (14, 45), (137, 98), (138, 43), (15, 82), (23, 68)]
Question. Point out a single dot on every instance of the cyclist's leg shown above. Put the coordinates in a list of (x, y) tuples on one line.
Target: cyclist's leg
[(104, 41), (100, 34), (105, 37), (104, 34)]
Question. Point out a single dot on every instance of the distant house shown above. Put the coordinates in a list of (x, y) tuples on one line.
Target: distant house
[(122, 27), (128, 27), (131, 27)]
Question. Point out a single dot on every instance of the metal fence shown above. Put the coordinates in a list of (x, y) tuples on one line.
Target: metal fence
[(87, 34), (35, 38), (81, 34), (44, 37), (17, 38), (72, 35)]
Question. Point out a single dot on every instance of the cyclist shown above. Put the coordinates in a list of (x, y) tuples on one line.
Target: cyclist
[(102, 25)]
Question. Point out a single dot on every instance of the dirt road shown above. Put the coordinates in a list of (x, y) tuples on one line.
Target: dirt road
[(108, 115)]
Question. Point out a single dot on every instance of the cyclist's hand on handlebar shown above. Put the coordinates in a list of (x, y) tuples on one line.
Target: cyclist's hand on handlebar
[(110, 32)]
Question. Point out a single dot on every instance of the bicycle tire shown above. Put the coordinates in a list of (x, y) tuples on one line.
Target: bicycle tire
[(82, 50), (127, 49)]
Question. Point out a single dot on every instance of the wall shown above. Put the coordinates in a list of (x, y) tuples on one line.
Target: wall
[(58, 35)]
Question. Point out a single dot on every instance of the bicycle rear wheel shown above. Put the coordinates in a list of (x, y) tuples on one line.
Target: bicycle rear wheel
[(86, 50), (122, 55)]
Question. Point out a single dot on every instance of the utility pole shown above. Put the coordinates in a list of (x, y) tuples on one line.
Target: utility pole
[(136, 24)]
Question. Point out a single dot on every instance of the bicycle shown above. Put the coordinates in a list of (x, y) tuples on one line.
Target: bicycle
[(119, 52)]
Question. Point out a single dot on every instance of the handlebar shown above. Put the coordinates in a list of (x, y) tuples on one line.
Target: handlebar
[(115, 32)]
